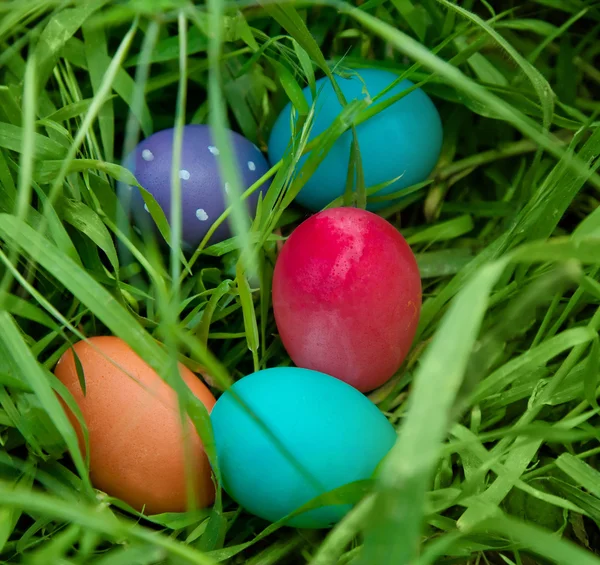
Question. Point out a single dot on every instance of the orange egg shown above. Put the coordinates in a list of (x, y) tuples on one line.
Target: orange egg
[(136, 440)]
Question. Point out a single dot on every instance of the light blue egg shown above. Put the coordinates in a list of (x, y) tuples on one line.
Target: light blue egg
[(334, 432), (403, 139)]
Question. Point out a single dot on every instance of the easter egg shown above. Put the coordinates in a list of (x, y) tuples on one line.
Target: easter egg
[(403, 140), (347, 296), (136, 440), (317, 434), (203, 197)]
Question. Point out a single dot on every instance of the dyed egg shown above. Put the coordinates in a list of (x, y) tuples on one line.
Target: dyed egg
[(328, 435), (136, 439), (202, 190), (404, 139), (347, 296)]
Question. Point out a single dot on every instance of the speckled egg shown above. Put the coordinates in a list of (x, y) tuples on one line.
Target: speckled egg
[(347, 296), (403, 140), (136, 439), (326, 434), (202, 189)]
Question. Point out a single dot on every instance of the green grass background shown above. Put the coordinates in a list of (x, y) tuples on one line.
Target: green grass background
[(496, 406)]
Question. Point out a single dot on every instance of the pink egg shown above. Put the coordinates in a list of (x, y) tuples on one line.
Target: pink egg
[(347, 296)]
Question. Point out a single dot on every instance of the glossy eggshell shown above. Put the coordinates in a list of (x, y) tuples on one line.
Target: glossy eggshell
[(347, 296), (202, 189), (403, 139), (335, 433), (135, 435)]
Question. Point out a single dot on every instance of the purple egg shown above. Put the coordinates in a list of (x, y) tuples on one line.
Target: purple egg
[(202, 189)]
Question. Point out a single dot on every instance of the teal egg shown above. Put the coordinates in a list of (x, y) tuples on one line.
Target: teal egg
[(403, 140), (328, 434)]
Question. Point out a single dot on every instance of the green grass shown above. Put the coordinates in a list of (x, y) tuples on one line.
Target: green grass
[(496, 406)]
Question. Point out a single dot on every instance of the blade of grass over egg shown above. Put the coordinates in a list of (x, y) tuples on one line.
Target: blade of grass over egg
[(224, 379), (219, 132), (339, 125), (490, 171), (229, 245), (158, 215), (175, 181), (411, 48), (96, 298)]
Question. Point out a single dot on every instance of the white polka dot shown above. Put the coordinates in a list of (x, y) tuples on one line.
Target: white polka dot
[(201, 214), (183, 174), (146, 208), (147, 155), (251, 165), (227, 187), (213, 150)]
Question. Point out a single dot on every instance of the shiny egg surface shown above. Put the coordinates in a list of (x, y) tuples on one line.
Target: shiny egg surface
[(325, 434), (403, 140), (136, 439), (347, 296), (203, 193)]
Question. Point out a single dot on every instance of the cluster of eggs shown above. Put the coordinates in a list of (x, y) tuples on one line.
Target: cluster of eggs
[(346, 299)]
